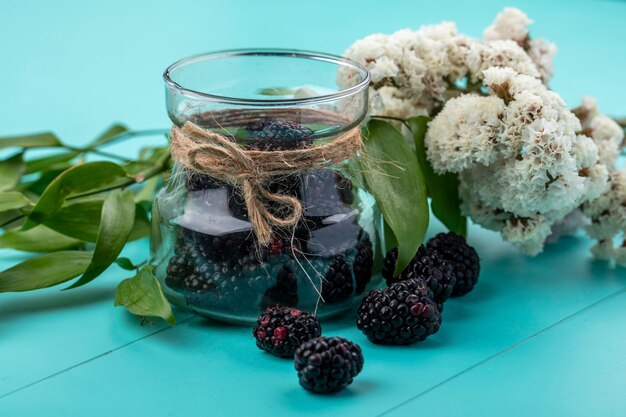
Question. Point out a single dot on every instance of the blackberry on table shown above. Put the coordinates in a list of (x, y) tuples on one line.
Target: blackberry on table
[(280, 330), (402, 314), (337, 285), (328, 364), (462, 257), (426, 264)]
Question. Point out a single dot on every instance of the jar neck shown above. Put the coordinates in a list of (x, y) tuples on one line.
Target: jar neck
[(324, 124)]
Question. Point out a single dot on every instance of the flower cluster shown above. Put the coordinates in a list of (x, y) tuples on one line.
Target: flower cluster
[(523, 163), (416, 72), (528, 166)]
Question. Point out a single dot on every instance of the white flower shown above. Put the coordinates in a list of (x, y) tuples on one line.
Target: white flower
[(603, 250), (527, 234), (511, 23), (606, 133), (619, 254), (609, 137), (568, 226), (587, 110), (596, 182), (608, 219), (465, 133), (440, 32), (585, 151), (542, 53), (394, 103), (502, 53)]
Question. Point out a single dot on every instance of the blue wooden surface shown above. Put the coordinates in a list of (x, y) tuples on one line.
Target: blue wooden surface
[(542, 336)]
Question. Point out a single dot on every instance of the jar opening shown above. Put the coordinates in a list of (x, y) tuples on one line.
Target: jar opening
[(265, 77)]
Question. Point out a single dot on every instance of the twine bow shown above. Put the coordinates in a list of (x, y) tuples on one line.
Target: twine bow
[(207, 152)]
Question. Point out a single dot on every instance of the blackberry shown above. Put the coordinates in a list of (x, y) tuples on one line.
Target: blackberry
[(463, 258), (229, 247), (284, 292), (280, 330), (428, 265), (239, 288), (278, 135), (177, 271), (402, 314), (328, 364), (182, 272), (363, 263), (197, 182), (337, 285), (325, 193)]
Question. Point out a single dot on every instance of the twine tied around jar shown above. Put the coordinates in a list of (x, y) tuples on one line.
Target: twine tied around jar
[(204, 151)]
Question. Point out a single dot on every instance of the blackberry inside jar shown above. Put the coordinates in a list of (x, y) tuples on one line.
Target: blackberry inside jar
[(205, 242)]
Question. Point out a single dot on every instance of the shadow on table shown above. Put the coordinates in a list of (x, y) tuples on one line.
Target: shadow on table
[(294, 397)]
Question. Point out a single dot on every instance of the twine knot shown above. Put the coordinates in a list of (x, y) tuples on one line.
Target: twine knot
[(207, 152)]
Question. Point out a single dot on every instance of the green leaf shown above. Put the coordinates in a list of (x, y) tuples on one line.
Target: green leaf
[(49, 162), (125, 263), (37, 239), (39, 186), (44, 271), (11, 218), (277, 91), (36, 140), (111, 133), (395, 179), (390, 238), (76, 180), (443, 189), (81, 220), (142, 296), (146, 193), (10, 171), (13, 200), (118, 214), (150, 158)]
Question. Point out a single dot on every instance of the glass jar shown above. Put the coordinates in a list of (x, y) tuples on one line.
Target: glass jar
[(203, 246)]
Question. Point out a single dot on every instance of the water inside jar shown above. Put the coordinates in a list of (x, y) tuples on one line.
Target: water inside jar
[(211, 261)]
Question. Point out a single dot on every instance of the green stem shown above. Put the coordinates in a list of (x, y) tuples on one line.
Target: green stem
[(8, 222), (117, 138), (397, 119), (131, 134), (98, 152), (158, 169), (139, 178)]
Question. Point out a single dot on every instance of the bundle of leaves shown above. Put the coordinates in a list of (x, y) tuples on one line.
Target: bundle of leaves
[(77, 209)]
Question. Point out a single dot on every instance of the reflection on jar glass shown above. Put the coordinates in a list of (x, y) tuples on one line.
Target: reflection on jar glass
[(207, 255)]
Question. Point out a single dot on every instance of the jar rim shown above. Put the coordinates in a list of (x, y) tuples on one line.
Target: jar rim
[(274, 52)]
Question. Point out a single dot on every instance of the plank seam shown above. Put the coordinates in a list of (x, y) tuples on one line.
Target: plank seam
[(101, 355), (506, 350)]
